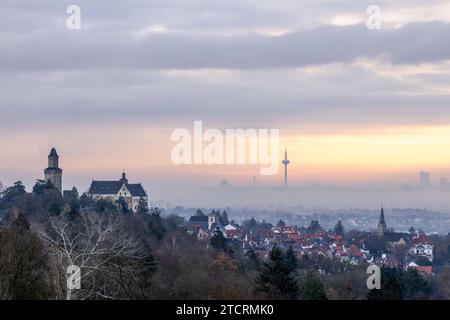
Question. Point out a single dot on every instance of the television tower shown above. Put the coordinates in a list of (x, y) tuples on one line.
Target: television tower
[(285, 162)]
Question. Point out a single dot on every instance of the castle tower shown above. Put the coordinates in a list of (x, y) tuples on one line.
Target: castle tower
[(382, 224), (53, 173)]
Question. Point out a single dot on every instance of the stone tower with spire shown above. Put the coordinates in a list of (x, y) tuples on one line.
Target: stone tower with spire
[(54, 173), (382, 224)]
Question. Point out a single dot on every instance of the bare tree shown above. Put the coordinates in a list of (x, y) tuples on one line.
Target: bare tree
[(99, 245)]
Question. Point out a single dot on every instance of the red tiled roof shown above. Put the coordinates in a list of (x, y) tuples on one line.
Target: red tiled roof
[(422, 239), (426, 270), (232, 233), (357, 254), (336, 237)]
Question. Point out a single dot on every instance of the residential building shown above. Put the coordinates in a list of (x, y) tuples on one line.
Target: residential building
[(132, 193)]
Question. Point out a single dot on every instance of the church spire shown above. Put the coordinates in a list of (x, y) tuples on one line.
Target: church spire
[(382, 221), (382, 224), (124, 177)]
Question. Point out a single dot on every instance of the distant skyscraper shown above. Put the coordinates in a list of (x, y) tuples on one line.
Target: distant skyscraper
[(424, 179), (54, 173), (224, 183), (444, 183), (252, 181), (285, 162)]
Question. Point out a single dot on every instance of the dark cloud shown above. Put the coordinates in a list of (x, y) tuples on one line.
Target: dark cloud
[(87, 49), (108, 72)]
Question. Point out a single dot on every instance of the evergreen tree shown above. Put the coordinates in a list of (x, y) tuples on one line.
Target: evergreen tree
[(41, 186), (74, 194), (314, 226), (390, 287), (218, 241), (52, 200), (86, 202), (142, 207), (224, 218), (123, 205), (104, 205), (265, 225), (249, 225), (339, 228), (10, 195), (281, 224), (312, 288), (423, 262), (54, 209), (74, 202), (276, 279), (397, 284), (199, 213), (155, 224), (291, 259), (414, 286), (251, 254)]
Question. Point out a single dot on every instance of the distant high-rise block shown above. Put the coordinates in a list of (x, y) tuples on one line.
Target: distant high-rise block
[(224, 183), (443, 183), (424, 179)]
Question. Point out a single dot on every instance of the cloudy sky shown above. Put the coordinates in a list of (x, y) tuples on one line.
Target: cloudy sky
[(353, 105)]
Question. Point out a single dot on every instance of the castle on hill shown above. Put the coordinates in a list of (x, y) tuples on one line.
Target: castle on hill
[(53, 173), (112, 190)]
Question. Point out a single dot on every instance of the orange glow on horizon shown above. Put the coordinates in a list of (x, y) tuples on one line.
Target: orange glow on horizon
[(396, 150), (375, 154)]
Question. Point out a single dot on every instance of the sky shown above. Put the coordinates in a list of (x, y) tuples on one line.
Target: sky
[(353, 105)]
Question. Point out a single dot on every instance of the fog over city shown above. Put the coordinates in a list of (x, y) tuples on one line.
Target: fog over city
[(333, 197), (361, 111)]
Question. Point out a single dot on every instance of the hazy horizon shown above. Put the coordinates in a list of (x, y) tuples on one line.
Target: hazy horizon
[(354, 106)]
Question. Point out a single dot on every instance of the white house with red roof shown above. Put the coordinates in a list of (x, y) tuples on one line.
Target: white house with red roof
[(421, 247)]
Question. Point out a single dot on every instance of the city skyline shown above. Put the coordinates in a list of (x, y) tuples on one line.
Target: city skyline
[(425, 192), (373, 112), (425, 179)]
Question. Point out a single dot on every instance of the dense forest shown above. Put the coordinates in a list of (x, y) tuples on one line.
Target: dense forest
[(148, 256)]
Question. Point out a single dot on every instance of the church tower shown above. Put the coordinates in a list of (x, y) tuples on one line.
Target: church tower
[(53, 173), (382, 224)]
